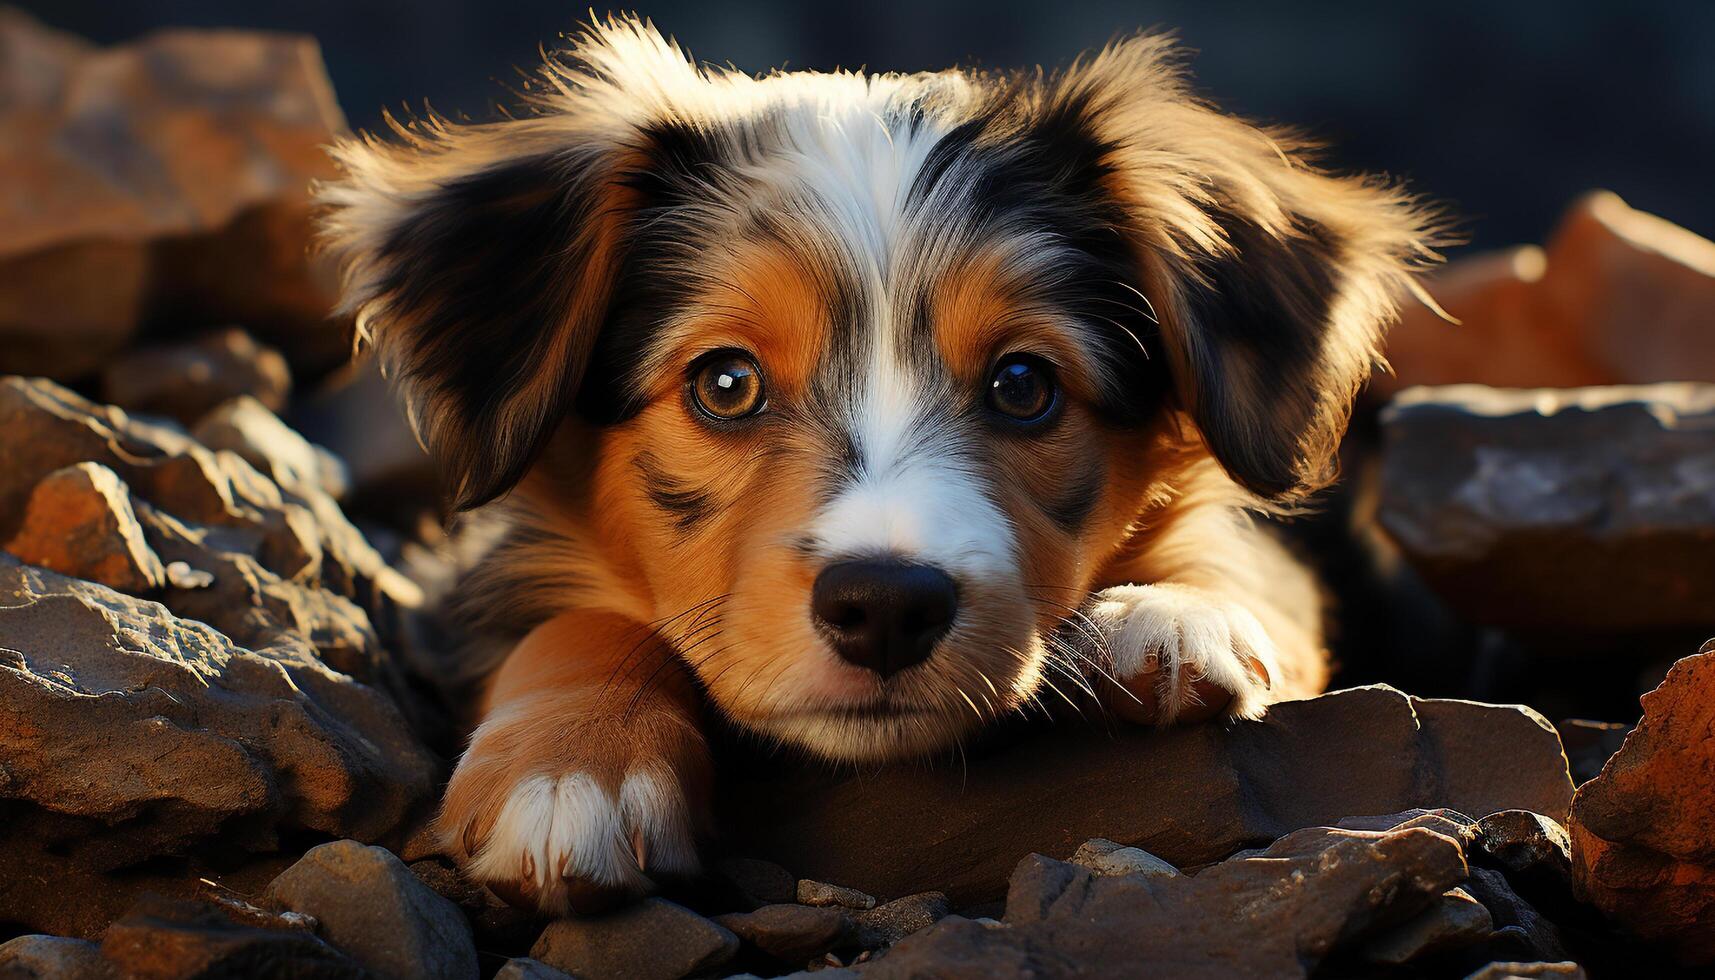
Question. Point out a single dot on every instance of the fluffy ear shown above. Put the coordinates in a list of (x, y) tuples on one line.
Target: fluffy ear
[(479, 259), (1273, 281)]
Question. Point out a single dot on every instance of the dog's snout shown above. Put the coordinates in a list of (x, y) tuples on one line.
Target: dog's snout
[(884, 615)]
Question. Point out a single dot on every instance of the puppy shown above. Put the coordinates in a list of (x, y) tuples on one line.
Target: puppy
[(857, 409)]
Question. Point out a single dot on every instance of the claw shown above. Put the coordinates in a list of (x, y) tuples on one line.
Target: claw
[(1260, 671), (640, 849)]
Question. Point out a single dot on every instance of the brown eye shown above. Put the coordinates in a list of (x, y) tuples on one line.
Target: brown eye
[(1022, 388), (728, 385)]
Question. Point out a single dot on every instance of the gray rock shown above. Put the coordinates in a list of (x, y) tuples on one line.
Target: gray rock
[(791, 933), (1557, 509), (821, 893), (369, 905), (1105, 857), (887, 924), (651, 940), (525, 968), (1452, 921), (52, 958), (1212, 790)]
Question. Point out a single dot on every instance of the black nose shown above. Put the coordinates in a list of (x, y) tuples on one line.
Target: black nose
[(883, 615)]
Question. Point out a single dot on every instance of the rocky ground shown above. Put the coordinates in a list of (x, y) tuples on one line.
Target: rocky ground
[(224, 719)]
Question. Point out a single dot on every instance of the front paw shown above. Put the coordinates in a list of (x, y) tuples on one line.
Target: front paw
[(1180, 653), (560, 816)]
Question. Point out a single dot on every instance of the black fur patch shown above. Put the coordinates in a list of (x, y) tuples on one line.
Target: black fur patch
[(1082, 493), (1262, 320), (686, 507), (483, 272)]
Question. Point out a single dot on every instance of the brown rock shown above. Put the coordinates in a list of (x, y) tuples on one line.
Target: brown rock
[(297, 532), (370, 906), (175, 940), (79, 522), (791, 933), (250, 428), (1452, 921), (1643, 844), (1563, 510), (1527, 844), (651, 940), (1211, 790), (158, 184), (185, 381), (1572, 315), (1277, 915), (180, 737)]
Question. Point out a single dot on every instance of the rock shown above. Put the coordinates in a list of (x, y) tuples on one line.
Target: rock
[(129, 733), (1527, 845), (791, 933), (223, 508), (174, 940), (758, 882), (375, 910), (52, 958), (524, 968), (1589, 745), (361, 421), (495, 924), (651, 940), (1311, 894), (1643, 846), (1105, 857), (1518, 923), (250, 428), (185, 381), (887, 924), (1452, 921), (156, 185), (1529, 971), (1570, 315), (80, 522), (1211, 790), (1583, 509), (822, 893)]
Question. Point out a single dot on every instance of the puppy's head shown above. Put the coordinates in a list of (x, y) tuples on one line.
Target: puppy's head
[(851, 385)]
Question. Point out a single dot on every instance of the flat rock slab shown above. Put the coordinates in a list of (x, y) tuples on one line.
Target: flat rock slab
[(1191, 796), (1562, 510)]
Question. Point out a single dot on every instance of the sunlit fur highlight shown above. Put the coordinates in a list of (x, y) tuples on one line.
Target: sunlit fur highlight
[(539, 289)]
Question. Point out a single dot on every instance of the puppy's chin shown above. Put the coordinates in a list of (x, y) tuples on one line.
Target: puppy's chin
[(916, 714), (869, 735)]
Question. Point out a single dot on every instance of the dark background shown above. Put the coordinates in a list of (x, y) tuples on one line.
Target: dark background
[(1505, 111)]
